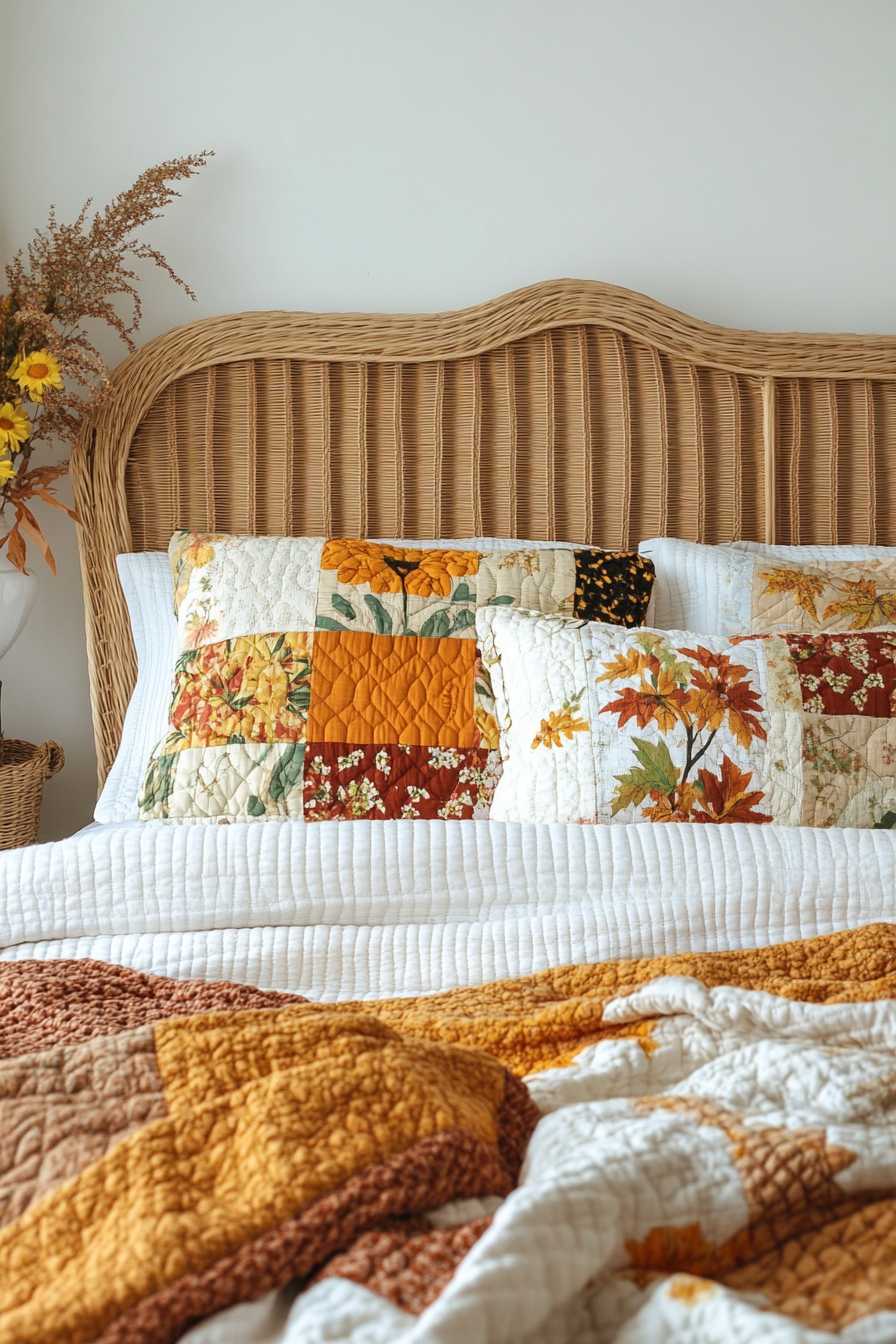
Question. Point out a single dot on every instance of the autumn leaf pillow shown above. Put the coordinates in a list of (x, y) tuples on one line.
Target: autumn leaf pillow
[(724, 590), (607, 725), (337, 679)]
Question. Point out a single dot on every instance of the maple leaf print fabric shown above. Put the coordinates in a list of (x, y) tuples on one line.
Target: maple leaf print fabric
[(725, 590), (340, 679), (605, 725), (838, 596)]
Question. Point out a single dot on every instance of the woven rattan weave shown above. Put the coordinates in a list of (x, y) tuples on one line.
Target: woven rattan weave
[(570, 410), (23, 769)]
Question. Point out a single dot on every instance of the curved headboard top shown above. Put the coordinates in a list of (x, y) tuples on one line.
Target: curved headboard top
[(570, 410)]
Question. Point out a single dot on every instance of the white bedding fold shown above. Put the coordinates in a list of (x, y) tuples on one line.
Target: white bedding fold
[(344, 909)]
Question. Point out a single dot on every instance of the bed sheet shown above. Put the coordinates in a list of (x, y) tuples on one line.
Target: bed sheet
[(365, 910)]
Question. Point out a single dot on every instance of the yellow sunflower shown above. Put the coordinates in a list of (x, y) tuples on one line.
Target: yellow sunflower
[(7, 470), (435, 570), (15, 427), (35, 372), (397, 569), (362, 562)]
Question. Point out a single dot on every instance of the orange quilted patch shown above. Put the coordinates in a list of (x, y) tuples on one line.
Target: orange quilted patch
[(392, 688)]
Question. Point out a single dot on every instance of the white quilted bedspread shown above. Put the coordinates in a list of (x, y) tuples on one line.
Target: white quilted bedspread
[(353, 910), (749, 1108)]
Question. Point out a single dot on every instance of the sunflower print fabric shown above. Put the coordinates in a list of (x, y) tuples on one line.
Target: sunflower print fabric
[(340, 679)]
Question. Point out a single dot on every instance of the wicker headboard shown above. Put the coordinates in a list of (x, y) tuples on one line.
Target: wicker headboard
[(569, 410)]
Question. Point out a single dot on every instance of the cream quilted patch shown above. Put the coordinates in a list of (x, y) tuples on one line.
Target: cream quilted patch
[(786, 785), (543, 662), (249, 780), (540, 580), (251, 585), (849, 769)]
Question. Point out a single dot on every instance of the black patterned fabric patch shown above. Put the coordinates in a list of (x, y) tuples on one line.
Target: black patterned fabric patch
[(613, 586)]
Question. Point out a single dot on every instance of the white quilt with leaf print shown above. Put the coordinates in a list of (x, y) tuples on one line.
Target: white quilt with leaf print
[(735, 1182)]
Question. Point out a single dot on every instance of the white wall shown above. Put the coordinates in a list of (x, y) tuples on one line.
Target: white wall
[(736, 160)]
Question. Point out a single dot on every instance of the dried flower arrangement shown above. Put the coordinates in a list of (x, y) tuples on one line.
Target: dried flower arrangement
[(49, 369)]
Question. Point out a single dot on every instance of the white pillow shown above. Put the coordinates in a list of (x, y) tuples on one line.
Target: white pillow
[(147, 584), (146, 581), (717, 589), (696, 585)]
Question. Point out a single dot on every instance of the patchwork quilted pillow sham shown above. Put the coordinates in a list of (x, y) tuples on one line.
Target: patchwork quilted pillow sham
[(828, 552), (326, 678), (731, 591), (607, 725)]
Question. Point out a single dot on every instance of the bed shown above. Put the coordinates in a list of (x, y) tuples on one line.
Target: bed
[(703, 1015), (568, 410)]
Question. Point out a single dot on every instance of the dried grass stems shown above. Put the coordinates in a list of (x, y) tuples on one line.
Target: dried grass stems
[(50, 371)]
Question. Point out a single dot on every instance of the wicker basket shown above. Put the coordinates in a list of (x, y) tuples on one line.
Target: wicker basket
[(23, 769)]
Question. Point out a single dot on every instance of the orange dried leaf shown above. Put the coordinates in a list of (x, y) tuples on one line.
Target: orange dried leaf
[(722, 689), (559, 724), (29, 524), (57, 504), (675, 806), (15, 548)]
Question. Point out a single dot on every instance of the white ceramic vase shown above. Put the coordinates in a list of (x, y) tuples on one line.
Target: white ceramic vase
[(17, 594)]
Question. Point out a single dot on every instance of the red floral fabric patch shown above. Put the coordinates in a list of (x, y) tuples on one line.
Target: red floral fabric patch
[(846, 674), (348, 782)]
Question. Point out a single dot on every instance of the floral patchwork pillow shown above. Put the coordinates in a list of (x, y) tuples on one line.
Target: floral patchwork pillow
[(325, 678), (724, 590), (608, 725)]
